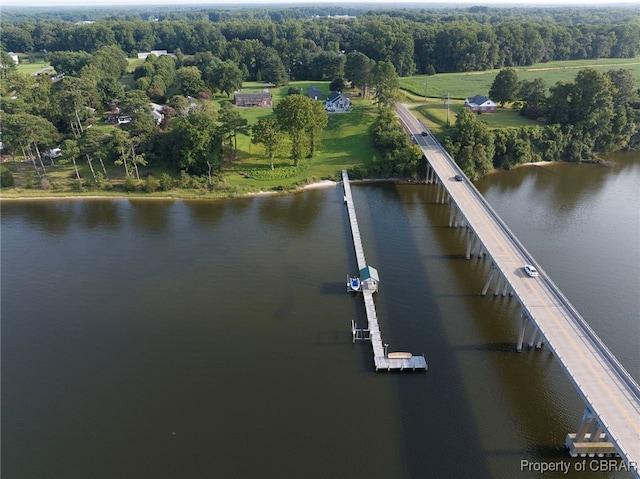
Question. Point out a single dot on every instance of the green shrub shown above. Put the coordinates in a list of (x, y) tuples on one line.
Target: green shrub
[(130, 184), (6, 177), (29, 179), (99, 181), (151, 185), (166, 182), (280, 173)]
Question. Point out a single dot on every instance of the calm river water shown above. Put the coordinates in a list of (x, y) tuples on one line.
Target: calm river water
[(177, 339)]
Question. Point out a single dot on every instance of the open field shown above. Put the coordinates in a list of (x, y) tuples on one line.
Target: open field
[(30, 68), (346, 142), (465, 85), (434, 115)]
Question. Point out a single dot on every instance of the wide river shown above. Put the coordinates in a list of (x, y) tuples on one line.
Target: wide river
[(196, 339)]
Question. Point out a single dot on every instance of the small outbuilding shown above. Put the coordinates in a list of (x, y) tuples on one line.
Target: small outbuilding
[(369, 278), (315, 93)]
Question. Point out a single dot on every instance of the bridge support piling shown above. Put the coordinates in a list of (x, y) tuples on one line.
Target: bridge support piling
[(470, 240), (524, 322), (487, 283), (506, 288), (590, 439), (453, 213), (534, 336), (431, 174), (500, 281)]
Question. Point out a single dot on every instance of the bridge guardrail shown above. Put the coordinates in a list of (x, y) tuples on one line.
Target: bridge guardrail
[(577, 318)]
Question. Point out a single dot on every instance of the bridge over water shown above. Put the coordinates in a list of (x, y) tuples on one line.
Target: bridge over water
[(611, 422)]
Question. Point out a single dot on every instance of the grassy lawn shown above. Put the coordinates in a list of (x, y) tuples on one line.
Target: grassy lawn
[(29, 68), (434, 115), (345, 142), (464, 85)]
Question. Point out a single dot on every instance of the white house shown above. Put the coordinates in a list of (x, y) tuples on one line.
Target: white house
[(157, 112), (14, 57), (480, 104), (158, 53), (337, 102)]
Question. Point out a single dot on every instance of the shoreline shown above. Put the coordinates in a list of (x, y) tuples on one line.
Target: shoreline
[(310, 186)]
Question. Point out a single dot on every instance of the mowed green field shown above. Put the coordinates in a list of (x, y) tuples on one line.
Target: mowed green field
[(345, 142), (465, 85), (30, 68)]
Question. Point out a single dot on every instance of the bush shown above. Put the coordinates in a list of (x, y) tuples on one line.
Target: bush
[(29, 179), (77, 185), (45, 184), (280, 173), (6, 178), (99, 181), (152, 184), (130, 184), (166, 182)]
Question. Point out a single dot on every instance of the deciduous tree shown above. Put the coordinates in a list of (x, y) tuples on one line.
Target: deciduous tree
[(232, 124), (505, 86), (266, 131), (295, 116), (224, 76)]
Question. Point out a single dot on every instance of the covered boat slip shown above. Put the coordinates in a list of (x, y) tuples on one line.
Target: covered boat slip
[(368, 282)]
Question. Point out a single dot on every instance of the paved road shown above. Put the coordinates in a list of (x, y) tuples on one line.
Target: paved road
[(604, 384)]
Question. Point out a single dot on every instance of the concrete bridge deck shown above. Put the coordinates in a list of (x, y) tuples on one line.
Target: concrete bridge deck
[(606, 387)]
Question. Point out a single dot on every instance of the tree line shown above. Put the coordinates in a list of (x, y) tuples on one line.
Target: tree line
[(413, 41), (597, 112), (38, 113)]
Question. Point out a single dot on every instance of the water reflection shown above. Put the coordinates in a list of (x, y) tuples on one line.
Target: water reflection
[(208, 212), (152, 216), (52, 216), (95, 214), (296, 212)]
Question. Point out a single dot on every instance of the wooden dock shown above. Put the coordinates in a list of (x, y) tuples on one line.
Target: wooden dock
[(381, 359)]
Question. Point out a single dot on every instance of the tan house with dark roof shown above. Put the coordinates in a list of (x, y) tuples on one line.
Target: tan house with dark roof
[(260, 99)]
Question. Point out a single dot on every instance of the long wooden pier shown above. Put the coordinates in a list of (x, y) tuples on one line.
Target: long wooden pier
[(381, 358)]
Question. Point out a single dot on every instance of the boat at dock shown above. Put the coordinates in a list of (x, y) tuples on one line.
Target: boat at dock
[(353, 284)]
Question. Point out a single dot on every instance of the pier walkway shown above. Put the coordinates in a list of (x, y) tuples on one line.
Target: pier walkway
[(611, 421), (381, 359)]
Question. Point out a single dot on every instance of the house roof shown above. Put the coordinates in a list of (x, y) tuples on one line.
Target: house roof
[(315, 93), (253, 95), (478, 100), (336, 95), (369, 272)]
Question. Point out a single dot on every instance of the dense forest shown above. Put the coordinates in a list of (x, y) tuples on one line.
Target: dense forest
[(215, 51), (306, 39)]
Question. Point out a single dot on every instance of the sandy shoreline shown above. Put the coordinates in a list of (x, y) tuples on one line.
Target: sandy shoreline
[(319, 184), (310, 186)]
